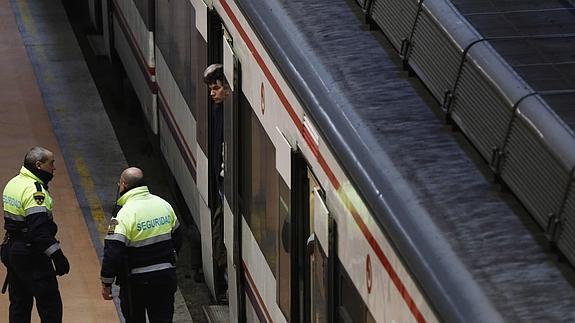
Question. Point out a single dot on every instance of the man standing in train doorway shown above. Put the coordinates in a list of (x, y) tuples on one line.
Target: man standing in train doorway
[(140, 252), (30, 246), (219, 90)]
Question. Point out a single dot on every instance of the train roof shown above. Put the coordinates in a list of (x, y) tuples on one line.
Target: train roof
[(476, 255)]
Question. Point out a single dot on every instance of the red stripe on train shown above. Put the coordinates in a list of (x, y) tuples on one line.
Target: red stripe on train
[(260, 303), (148, 71), (370, 238), (178, 136)]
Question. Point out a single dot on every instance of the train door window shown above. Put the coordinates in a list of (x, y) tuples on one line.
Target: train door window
[(199, 60), (351, 307), (146, 10), (175, 22), (212, 118), (284, 263), (163, 13), (259, 196), (318, 258), (319, 286), (230, 125)]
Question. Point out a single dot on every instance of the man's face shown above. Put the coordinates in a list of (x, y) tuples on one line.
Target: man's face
[(218, 92), (48, 165)]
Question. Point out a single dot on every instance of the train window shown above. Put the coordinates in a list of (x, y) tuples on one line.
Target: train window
[(163, 26), (318, 261), (259, 196), (351, 307), (319, 285), (176, 21), (369, 318), (284, 265), (146, 10)]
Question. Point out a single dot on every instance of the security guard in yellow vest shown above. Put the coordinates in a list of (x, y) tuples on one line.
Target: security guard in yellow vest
[(30, 244), (139, 252)]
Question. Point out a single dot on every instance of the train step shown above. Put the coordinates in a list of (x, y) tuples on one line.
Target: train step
[(217, 313)]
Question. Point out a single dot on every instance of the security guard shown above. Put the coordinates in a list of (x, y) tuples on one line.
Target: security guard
[(30, 246), (139, 252)]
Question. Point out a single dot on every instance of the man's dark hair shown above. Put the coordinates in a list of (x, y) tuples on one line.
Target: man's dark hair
[(36, 154), (214, 73)]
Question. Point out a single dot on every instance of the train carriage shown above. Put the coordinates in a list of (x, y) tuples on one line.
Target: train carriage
[(344, 197)]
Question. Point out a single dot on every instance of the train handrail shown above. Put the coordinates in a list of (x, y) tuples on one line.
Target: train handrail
[(555, 223), (406, 43), (504, 89), (497, 156), (449, 94), (515, 109), (513, 90)]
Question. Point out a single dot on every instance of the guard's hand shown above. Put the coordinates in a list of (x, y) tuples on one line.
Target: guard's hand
[(61, 264), (107, 292)]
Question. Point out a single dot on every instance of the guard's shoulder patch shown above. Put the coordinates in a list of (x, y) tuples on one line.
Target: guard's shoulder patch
[(112, 226), (39, 197)]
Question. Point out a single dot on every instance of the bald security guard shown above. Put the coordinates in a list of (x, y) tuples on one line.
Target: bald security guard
[(30, 244), (140, 250)]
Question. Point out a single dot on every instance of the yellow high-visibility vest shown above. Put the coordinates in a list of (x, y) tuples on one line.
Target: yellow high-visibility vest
[(23, 197), (143, 220)]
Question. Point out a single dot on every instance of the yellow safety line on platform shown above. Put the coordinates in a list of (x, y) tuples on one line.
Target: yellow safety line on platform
[(27, 20), (87, 184)]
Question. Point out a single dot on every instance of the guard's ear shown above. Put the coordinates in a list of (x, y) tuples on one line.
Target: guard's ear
[(38, 164)]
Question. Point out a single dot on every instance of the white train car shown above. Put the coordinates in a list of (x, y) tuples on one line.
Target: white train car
[(298, 190), (331, 212), (133, 39)]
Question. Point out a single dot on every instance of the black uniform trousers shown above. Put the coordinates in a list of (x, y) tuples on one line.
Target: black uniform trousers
[(149, 292), (32, 276)]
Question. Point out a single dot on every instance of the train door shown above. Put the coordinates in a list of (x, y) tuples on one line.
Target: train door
[(316, 245), (212, 222), (232, 217), (223, 192)]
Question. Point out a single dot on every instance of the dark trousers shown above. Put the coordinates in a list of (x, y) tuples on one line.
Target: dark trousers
[(219, 253), (152, 293), (32, 276)]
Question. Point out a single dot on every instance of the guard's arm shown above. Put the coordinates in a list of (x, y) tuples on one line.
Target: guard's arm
[(177, 238), (115, 250), (41, 229)]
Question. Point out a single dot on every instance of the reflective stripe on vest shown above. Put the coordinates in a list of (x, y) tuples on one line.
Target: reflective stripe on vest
[(144, 218), (156, 267)]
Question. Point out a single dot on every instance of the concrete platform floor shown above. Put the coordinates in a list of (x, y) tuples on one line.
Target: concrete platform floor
[(25, 123)]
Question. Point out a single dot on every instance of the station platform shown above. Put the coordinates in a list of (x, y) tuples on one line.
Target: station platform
[(48, 98)]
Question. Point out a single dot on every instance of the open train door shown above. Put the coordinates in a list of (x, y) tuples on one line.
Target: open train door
[(212, 218), (232, 216), (220, 247)]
